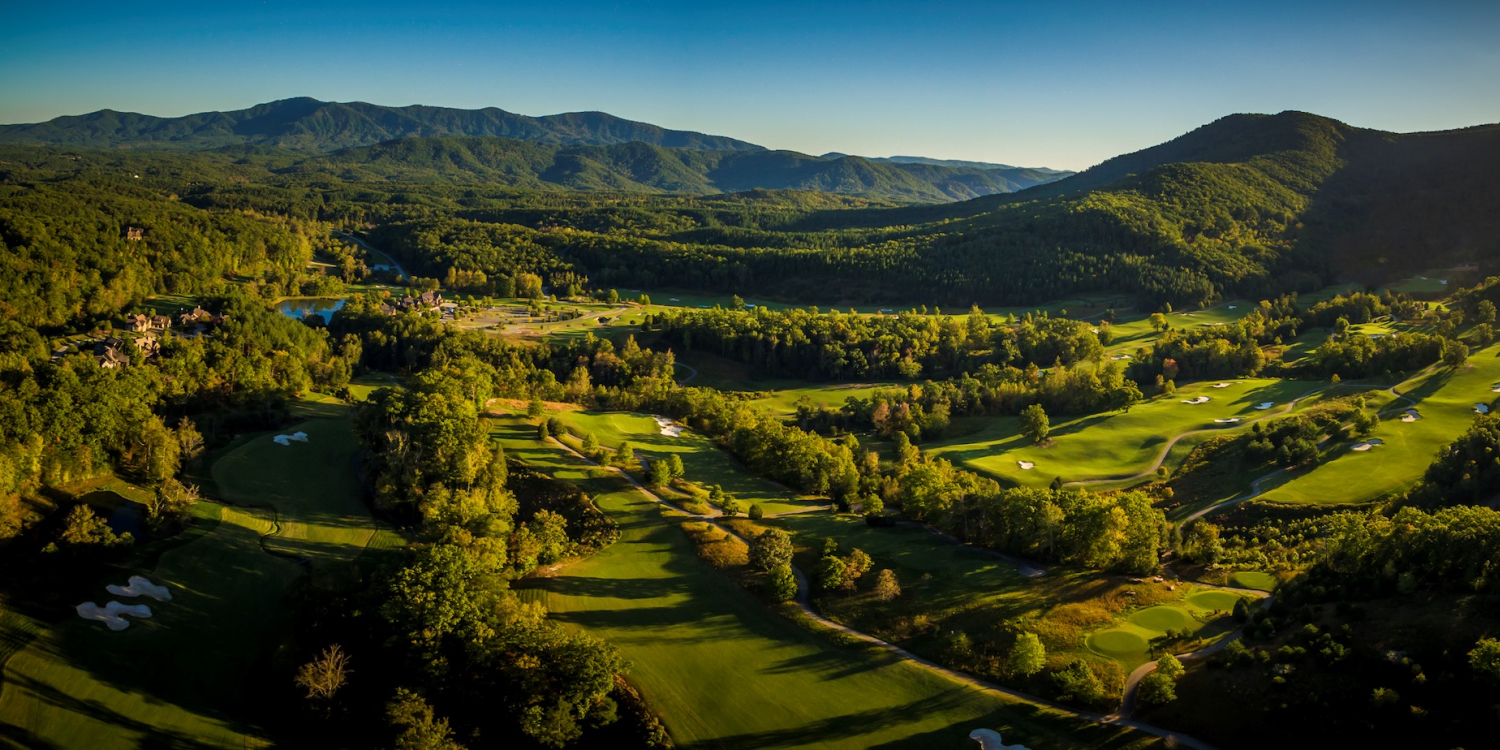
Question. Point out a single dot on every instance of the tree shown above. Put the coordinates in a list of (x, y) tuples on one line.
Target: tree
[(590, 444), (1158, 322), (658, 475), (781, 585), (1455, 354), (534, 408), (887, 588), (322, 677), (831, 572), (170, 502), (674, 465), (756, 512), (189, 440), (84, 528), (542, 433), (421, 728), (731, 507), (873, 505), (1484, 312), (1170, 666), (1484, 659), (1034, 423), (771, 550), (1027, 656), (644, 299), (1156, 689)]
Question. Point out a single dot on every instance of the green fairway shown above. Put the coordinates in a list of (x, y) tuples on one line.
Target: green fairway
[(704, 462), (1130, 643), (1249, 579), (725, 671), (1113, 445), (1445, 401), (183, 678)]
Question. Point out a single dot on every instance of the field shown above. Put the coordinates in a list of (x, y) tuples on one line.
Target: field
[(1115, 445), (705, 463), (1445, 401), (726, 671), (185, 677)]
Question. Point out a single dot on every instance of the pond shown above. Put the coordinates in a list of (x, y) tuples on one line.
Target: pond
[(122, 514), (301, 307)]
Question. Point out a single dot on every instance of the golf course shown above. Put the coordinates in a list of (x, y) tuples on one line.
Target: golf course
[(187, 676)]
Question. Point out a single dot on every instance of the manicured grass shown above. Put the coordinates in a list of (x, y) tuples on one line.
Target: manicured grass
[(1129, 642), (1251, 579), (725, 671), (1116, 444), (1446, 402), (312, 486), (186, 676), (705, 464)]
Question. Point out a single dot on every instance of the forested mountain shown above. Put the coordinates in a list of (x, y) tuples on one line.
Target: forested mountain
[(643, 167), (1248, 206), (310, 125)]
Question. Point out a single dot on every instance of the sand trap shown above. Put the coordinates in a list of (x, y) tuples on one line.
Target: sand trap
[(1228, 420), (1026, 465), (1264, 405), (1495, 388), (1368, 444), (1120, 356), (111, 614), (1198, 400), (1221, 385), (1482, 408), (138, 586), (1232, 307), (989, 739), (1411, 415), (297, 437), (668, 427)]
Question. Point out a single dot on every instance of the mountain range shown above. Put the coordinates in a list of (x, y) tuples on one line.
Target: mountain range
[(582, 150)]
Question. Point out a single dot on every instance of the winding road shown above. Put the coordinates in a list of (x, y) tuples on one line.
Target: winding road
[(371, 248)]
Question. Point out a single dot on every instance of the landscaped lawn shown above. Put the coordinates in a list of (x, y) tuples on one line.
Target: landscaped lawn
[(1203, 613), (705, 464), (186, 676), (1445, 401), (1117, 444), (726, 671)]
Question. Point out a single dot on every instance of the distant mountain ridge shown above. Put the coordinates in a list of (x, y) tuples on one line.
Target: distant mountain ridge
[(959, 163), (643, 167), (310, 125)]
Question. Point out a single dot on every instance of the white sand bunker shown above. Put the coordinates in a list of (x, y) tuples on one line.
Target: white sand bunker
[(989, 739), (1221, 385), (1495, 388), (1198, 400), (1264, 405), (1482, 408), (1368, 444), (139, 586), (111, 614), (1227, 420), (298, 437), (1411, 415), (1120, 356), (1026, 465), (668, 427)]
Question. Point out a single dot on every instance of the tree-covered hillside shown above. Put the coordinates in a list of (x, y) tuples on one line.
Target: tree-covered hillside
[(310, 125)]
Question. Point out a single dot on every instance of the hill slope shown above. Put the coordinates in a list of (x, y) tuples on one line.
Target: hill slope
[(637, 167)]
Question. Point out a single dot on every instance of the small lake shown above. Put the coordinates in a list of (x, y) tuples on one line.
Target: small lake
[(301, 307), (121, 513)]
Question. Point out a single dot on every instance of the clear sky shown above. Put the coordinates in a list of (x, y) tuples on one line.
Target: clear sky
[(1059, 84)]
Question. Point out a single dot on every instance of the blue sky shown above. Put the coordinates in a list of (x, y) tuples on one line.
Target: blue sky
[(1060, 84)]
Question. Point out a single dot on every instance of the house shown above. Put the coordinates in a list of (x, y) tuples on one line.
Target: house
[(111, 354), (386, 309), (431, 299), (134, 234), (160, 322), (139, 323), (148, 346), (199, 315)]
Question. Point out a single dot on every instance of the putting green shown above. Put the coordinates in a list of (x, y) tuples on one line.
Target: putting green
[(1165, 617), (1213, 600), (1250, 579), (1118, 643)]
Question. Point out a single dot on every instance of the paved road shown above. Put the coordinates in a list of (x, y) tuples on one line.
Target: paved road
[(802, 603), (692, 373), (394, 263)]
